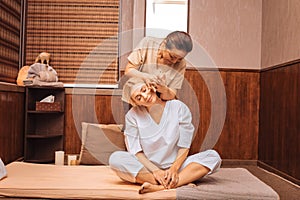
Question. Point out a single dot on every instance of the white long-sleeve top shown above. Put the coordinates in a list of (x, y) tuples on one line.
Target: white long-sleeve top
[(159, 142)]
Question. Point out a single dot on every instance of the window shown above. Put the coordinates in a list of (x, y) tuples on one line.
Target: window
[(10, 15), (165, 16), (81, 36)]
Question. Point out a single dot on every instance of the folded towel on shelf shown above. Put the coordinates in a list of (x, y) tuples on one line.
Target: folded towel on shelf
[(42, 72), (37, 82), (42, 75)]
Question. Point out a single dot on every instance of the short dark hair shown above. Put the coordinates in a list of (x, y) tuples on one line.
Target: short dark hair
[(179, 40)]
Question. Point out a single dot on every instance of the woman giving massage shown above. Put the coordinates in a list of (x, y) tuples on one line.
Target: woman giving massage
[(158, 136)]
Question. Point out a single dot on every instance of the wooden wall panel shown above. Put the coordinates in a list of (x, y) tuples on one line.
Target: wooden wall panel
[(239, 138), (272, 126), (11, 124), (280, 120), (91, 108), (200, 105)]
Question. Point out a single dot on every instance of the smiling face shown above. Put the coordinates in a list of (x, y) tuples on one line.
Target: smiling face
[(143, 95)]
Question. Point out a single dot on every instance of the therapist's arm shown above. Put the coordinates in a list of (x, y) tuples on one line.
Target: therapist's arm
[(166, 92), (132, 71)]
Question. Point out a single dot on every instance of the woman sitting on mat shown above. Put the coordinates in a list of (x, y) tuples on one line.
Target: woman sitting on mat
[(158, 136)]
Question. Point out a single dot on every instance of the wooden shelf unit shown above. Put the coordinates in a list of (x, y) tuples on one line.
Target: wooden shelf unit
[(44, 130)]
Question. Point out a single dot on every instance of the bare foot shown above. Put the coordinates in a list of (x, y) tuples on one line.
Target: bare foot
[(148, 187)]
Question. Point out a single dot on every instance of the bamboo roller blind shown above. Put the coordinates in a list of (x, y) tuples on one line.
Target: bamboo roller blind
[(81, 36), (10, 15)]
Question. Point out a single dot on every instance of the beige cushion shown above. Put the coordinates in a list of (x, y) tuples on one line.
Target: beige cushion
[(99, 141)]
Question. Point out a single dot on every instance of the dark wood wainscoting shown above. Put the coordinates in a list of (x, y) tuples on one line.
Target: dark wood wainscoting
[(86, 105), (280, 119), (239, 139), (239, 136), (11, 122)]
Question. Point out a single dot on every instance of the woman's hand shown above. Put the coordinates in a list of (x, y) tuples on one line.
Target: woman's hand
[(150, 79), (171, 177), (160, 176), (161, 88), (132, 71)]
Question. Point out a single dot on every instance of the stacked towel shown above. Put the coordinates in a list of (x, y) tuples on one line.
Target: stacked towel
[(42, 72), (43, 75)]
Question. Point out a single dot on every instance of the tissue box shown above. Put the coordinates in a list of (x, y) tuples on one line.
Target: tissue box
[(45, 106)]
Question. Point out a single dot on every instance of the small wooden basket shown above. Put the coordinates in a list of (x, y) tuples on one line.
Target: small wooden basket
[(45, 106)]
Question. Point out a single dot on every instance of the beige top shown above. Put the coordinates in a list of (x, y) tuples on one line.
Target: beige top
[(145, 55)]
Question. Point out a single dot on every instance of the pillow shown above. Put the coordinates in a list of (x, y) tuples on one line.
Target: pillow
[(99, 141)]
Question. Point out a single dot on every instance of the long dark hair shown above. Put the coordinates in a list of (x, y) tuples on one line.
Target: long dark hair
[(179, 40)]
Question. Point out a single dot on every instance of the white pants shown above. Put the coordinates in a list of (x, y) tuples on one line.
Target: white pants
[(127, 165)]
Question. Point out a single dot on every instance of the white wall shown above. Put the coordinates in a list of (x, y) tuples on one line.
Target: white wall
[(229, 30), (242, 34), (280, 32)]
